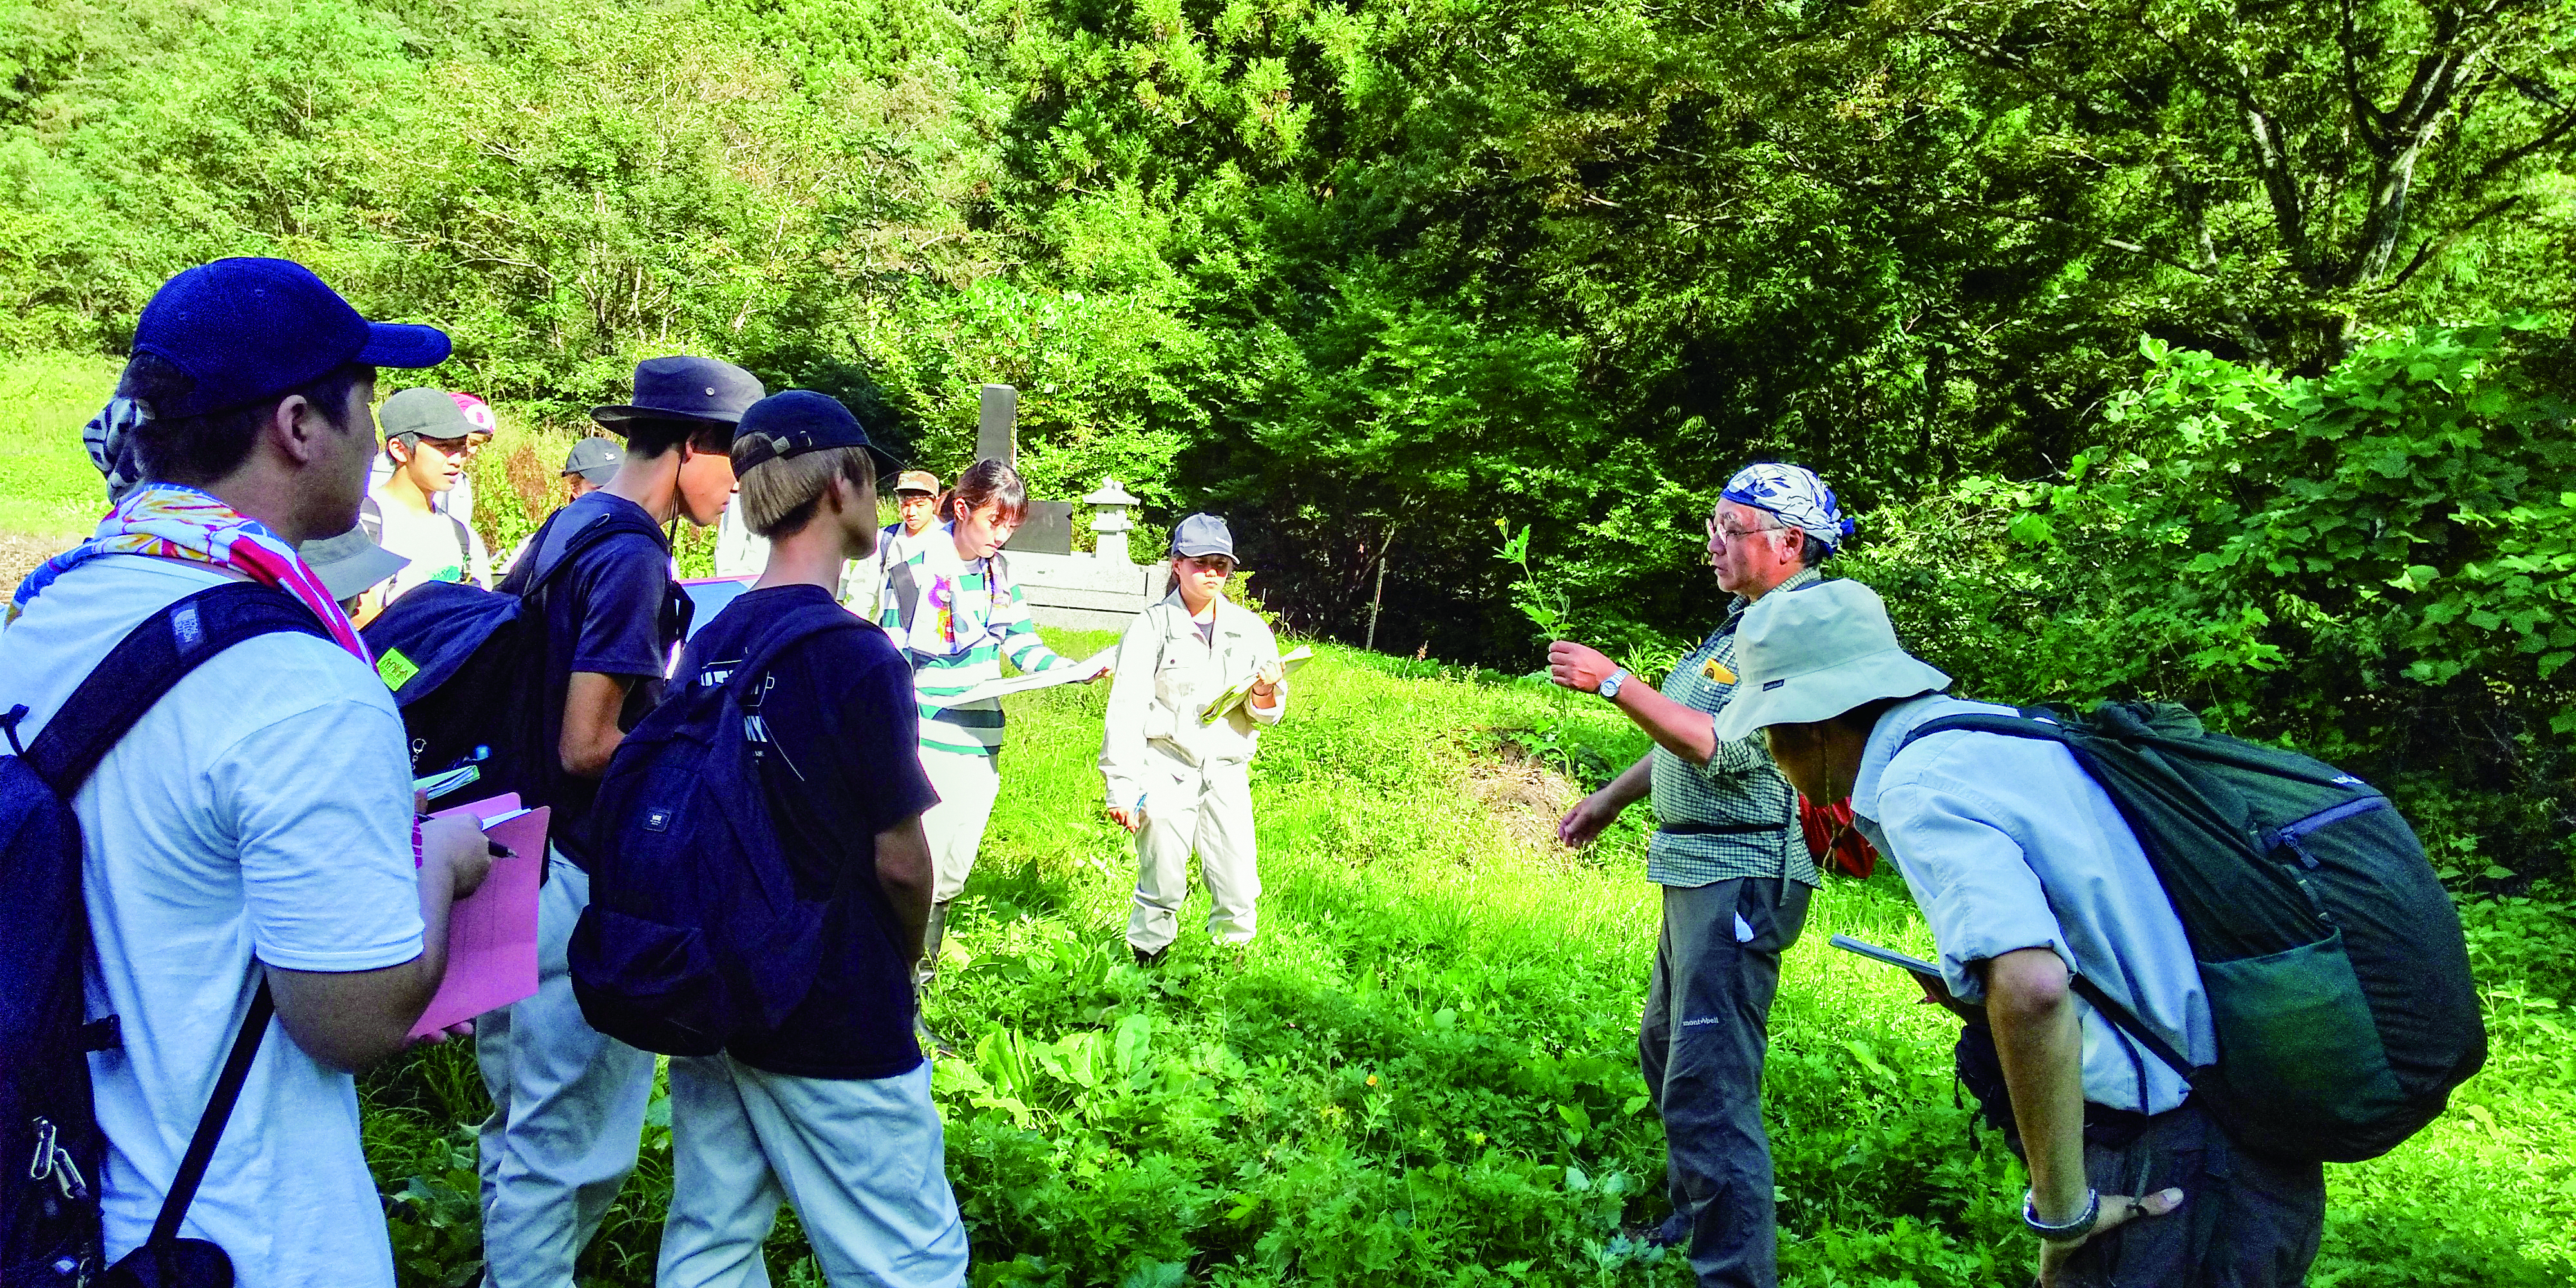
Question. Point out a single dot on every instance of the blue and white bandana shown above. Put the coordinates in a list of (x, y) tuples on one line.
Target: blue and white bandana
[(1796, 495)]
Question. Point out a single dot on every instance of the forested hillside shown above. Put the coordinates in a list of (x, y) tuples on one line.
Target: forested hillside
[(2105, 321)]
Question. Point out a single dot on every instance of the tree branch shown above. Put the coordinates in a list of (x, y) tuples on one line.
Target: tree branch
[(2434, 246), (2365, 113), (2112, 242)]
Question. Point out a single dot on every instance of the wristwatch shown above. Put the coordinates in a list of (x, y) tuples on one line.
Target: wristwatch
[(1610, 687), (2071, 1231)]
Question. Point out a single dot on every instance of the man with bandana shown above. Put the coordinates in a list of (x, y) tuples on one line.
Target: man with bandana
[(1736, 879)]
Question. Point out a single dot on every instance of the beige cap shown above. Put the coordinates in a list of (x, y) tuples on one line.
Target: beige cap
[(922, 481)]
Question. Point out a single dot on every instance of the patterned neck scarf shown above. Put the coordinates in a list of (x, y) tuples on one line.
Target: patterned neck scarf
[(178, 522)]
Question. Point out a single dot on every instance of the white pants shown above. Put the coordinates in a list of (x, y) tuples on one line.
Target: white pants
[(1208, 810), (567, 1110), (862, 1159), (967, 786)]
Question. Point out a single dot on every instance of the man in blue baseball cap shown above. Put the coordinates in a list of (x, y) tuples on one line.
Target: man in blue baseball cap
[(251, 841), (1735, 873), (831, 1109)]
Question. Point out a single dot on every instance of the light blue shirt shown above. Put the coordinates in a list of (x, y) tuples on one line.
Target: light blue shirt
[(2006, 844)]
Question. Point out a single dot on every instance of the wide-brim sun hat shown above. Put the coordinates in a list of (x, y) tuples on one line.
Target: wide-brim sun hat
[(1815, 652), (685, 388)]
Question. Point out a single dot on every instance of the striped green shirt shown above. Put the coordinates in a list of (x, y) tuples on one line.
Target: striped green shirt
[(957, 620)]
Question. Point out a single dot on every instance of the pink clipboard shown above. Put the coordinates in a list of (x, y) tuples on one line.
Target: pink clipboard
[(492, 933)]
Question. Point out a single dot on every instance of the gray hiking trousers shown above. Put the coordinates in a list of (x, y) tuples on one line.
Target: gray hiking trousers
[(1707, 1026)]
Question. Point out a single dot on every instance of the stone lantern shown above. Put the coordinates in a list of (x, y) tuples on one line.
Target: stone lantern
[(1109, 521)]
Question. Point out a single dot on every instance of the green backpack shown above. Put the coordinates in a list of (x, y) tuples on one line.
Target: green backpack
[(2337, 976)]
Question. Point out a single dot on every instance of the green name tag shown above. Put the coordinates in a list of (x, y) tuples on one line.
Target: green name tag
[(395, 669)]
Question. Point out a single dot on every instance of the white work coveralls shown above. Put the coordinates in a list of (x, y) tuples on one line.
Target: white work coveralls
[(1192, 780)]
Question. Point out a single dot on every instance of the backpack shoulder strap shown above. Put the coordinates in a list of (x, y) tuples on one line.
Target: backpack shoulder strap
[(614, 523), (464, 542), (2044, 725), (786, 633), (219, 1111), (147, 663), (371, 519), (2029, 722)]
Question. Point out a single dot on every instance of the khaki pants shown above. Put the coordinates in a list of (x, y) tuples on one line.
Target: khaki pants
[(861, 1158), (967, 786), (567, 1110), (1207, 810)]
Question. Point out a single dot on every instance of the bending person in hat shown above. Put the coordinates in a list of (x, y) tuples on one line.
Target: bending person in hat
[(1735, 874), (355, 570), (568, 1101), (427, 438), (952, 606), (1181, 785), (830, 1111), (2028, 874)]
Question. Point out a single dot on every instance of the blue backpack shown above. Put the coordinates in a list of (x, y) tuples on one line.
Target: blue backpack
[(469, 669), (49, 1207), (695, 934)]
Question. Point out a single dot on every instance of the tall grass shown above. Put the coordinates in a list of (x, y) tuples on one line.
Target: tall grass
[(1423, 1071), (48, 488)]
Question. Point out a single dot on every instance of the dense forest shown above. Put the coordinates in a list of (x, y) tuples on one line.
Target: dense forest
[(2189, 348)]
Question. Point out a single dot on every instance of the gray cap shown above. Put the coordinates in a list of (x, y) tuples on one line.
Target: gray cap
[(595, 459), (429, 413), (1202, 534), (1814, 653), (351, 562)]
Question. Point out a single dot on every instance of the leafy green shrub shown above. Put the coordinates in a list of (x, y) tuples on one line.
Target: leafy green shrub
[(2373, 564)]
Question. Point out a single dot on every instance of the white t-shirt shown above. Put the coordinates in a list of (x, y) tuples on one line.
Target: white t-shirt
[(263, 805)]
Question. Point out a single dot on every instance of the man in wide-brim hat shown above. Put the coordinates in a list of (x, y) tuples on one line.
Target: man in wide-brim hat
[(2029, 876), (567, 1101)]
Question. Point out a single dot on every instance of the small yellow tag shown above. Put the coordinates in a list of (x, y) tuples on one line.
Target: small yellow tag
[(395, 669), (1718, 673)]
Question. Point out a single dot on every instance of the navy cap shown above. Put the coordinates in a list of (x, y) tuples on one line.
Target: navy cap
[(595, 459), (685, 388), (793, 422), (244, 330), (1202, 534)]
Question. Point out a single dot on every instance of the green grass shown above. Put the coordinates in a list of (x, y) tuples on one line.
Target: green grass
[(48, 488), (1423, 1071)]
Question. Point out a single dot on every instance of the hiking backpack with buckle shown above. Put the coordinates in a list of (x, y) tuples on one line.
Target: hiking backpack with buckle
[(2334, 965), (52, 1154)]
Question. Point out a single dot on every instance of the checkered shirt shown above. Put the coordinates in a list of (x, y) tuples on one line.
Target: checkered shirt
[(1734, 816)]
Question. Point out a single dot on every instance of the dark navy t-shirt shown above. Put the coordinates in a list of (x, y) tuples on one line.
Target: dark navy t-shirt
[(842, 719), (604, 613)]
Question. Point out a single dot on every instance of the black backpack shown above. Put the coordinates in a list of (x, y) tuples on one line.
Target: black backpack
[(470, 671), (2337, 977), (49, 1205), (696, 934)]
